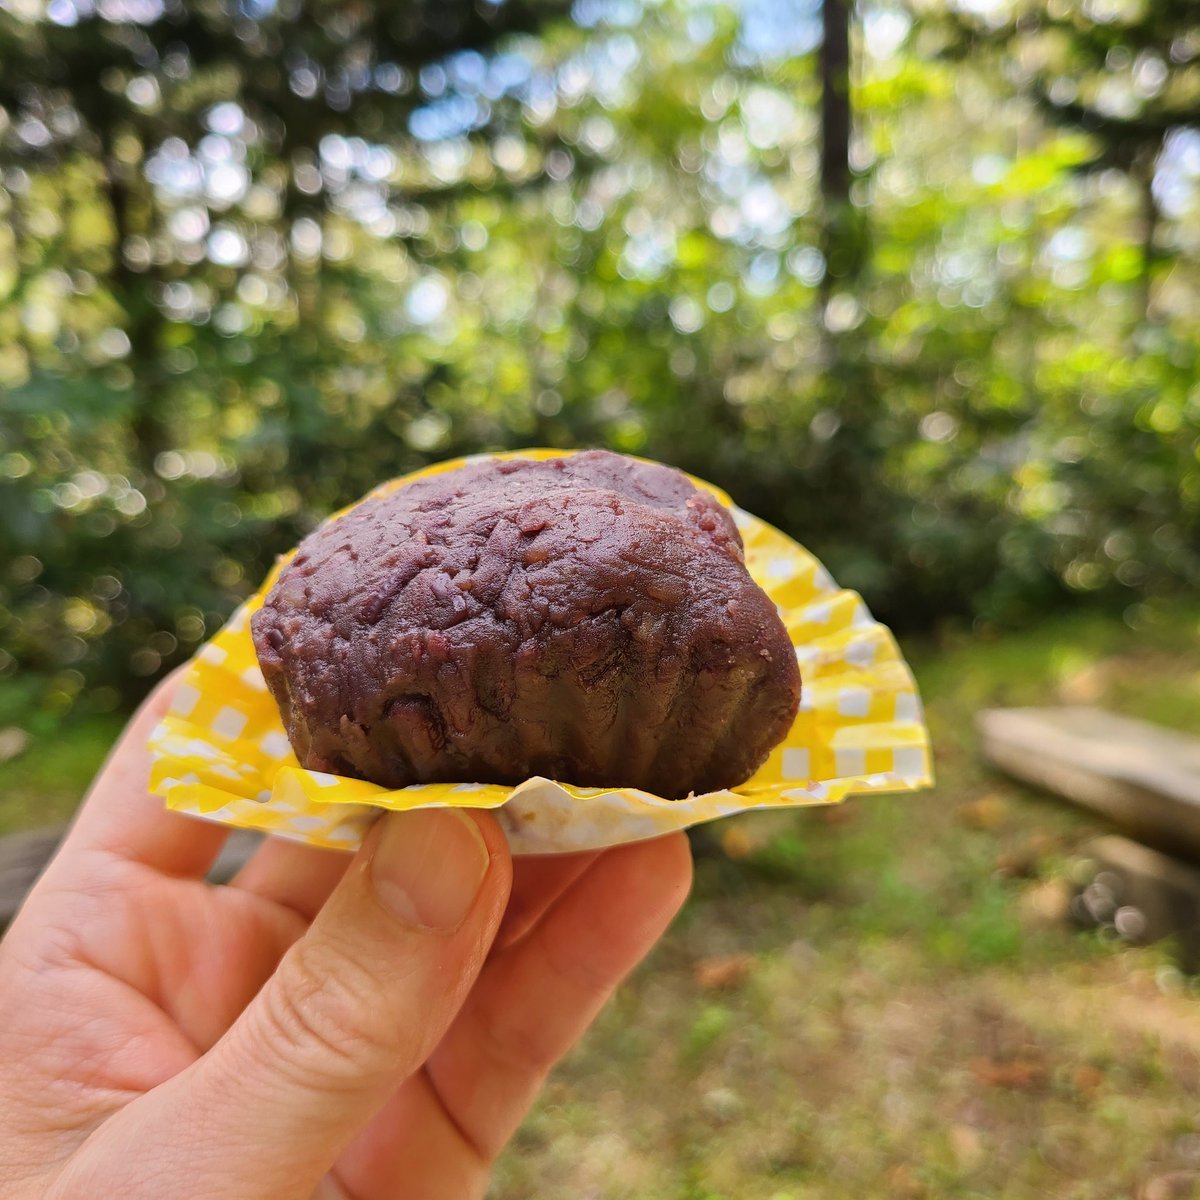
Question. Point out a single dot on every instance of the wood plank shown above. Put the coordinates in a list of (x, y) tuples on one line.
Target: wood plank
[(1143, 778), (24, 855)]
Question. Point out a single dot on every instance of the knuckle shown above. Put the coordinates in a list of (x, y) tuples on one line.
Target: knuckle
[(326, 1017)]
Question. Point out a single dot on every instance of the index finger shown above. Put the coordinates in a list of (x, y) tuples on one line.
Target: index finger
[(538, 881)]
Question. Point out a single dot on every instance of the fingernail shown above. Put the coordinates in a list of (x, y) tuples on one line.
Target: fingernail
[(428, 866)]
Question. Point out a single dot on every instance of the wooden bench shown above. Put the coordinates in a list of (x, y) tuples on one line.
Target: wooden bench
[(1141, 777)]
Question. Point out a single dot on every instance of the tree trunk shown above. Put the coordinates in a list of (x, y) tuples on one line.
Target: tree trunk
[(850, 454), (835, 101), (1144, 177), (132, 291), (837, 234)]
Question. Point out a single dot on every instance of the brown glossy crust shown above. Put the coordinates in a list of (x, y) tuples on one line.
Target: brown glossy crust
[(588, 618)]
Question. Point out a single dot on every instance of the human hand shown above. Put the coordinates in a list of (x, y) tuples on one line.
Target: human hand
[(345, 1028)]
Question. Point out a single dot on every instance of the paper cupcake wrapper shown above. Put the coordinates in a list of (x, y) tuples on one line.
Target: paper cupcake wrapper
[(222, 754)]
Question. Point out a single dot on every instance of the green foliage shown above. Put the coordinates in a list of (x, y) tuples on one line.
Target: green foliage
[(233, 298)]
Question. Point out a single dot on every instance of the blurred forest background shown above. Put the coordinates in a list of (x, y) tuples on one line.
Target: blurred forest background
[(919, 282)]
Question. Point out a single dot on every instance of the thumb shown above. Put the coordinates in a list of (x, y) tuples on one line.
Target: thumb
[(355, 1007)]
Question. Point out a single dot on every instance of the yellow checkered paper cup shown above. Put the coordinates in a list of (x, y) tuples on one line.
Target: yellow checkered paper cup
[(222, 753)]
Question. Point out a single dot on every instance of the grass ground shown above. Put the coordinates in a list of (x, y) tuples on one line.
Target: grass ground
[(42, 784), (878, 1000)]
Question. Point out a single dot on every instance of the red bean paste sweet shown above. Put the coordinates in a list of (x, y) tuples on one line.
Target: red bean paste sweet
[(588, 618)]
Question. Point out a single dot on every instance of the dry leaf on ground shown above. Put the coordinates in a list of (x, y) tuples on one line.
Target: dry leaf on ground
[(1021, 1074), (723, 971)]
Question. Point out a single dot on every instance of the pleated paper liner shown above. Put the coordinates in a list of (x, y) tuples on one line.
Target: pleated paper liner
[(222, 754)]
